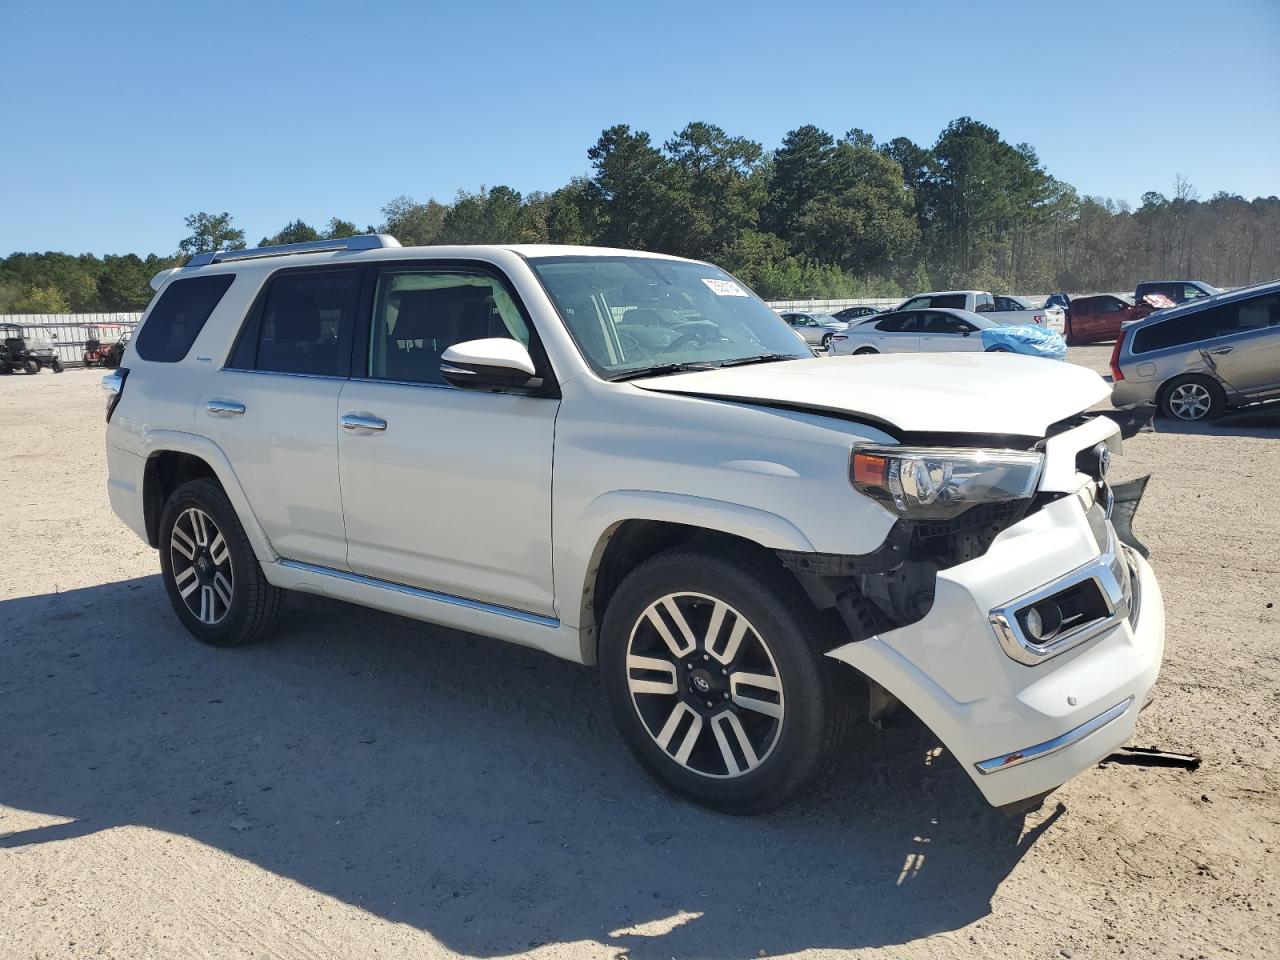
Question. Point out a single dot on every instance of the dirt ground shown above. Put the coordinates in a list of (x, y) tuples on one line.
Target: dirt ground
[(365, 786)]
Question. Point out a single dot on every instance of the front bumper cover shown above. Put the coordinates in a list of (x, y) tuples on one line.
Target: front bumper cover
[(950, 669)]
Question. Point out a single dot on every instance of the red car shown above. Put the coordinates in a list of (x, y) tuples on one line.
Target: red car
[(1097, 318)]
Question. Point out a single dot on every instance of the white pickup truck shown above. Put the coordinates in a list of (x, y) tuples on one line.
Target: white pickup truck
[(1006, 310), (629, 461)]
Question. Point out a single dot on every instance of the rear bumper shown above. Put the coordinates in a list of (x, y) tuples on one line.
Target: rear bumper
[(1022, 729), (1128, 393), (125, 471)]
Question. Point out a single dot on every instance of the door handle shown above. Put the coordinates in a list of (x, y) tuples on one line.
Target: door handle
[(224, 408), (358, 421), (1221, 350)]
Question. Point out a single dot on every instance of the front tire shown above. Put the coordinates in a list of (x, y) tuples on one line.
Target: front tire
[(712, 665), (213, 579), (1193, 399), (56, 365), (826, 342)]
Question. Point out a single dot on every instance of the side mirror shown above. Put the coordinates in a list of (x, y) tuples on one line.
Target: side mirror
[(967, 332), (495, 363)]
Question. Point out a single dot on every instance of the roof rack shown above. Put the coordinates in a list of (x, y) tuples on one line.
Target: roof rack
[(367, 241)]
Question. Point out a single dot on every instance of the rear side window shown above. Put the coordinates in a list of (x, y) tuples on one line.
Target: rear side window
[(178, 317), (952, 301), (899, 323), (1241, 317), (304, 324)]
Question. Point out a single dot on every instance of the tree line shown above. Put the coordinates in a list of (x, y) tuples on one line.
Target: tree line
[(820, 216)]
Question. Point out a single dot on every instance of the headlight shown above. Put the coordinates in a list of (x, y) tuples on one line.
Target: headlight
[(939, 483)]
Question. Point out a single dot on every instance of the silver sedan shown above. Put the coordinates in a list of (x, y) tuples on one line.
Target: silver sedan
[(817, 329)]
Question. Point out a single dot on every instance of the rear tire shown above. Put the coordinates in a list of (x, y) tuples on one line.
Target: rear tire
[(30, 366), (826, 342), (1193, 399), (213, 579), (56, 365), (865, 351), (741, 713), (999, 350)]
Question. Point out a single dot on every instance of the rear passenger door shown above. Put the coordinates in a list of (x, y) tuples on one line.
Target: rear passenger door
[(898, 333), (443, 488), (273, 409)]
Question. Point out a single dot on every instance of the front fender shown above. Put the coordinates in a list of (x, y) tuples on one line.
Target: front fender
[(580, 557)]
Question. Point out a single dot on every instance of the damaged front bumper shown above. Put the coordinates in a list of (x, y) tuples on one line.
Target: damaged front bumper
[(1023, 718)]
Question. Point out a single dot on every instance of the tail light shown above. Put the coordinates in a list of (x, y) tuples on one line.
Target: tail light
[(1039, 318), (836, 338), (113, 383), (1116, 373)]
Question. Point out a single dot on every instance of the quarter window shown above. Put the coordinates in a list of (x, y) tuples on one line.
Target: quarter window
[(179, 316), (418, 314), (955, 301)]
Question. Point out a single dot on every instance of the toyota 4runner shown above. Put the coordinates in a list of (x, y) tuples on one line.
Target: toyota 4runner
[(629, 461)]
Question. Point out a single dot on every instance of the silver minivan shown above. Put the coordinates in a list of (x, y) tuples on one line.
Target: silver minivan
[(1197, 360)]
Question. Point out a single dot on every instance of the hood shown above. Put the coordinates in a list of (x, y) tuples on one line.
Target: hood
[(916, 393)]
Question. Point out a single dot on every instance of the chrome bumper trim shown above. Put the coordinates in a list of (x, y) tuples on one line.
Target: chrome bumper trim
[(1111, 572), (1061, 742)]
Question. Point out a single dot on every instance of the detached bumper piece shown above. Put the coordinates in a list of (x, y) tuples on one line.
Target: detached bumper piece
[(1125, 500)]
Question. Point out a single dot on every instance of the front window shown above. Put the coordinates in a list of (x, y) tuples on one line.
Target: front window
[(631, 314)]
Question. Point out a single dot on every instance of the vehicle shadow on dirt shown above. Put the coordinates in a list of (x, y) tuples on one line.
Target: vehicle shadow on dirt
[(471, 789), (1262, 420)]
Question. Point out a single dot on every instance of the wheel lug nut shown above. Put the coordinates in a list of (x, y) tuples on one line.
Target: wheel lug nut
[(726, 696), (724, 672), (706, 656), (710, 704), (688, 666)]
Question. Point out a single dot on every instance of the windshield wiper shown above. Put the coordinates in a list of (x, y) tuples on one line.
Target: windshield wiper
[(661, 368), (763, 358)]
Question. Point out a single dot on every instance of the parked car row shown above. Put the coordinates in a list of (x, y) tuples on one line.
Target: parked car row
[(914, 331)]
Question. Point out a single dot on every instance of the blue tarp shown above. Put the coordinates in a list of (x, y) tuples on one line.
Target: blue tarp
[(1026, 338)]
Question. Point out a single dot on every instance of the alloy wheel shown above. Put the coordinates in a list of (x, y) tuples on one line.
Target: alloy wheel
[(705, 685), (201, 566), (1190, 401)]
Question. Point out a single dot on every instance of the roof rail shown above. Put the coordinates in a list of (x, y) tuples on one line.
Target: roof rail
[(367, 241)]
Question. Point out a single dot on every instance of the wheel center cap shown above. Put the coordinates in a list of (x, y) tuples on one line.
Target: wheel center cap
[(704, 684)]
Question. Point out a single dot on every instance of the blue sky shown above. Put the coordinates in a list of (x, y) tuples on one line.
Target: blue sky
[(120, 118)]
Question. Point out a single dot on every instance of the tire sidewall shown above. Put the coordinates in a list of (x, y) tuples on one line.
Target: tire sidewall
[(806, 690), (208, 497)]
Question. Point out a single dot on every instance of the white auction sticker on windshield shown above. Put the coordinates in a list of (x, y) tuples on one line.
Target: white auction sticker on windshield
[(724, 288)]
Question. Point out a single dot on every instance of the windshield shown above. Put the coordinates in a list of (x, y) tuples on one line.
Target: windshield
[(630, 314)]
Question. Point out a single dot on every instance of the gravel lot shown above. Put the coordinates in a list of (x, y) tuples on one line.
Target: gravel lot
[(362, 786)]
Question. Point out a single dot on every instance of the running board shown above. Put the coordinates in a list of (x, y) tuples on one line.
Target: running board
[(460, 613)]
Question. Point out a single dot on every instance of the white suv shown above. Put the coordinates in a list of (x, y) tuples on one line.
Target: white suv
[(629, 461)]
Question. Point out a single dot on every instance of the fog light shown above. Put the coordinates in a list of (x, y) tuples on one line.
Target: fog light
[(1043, 621)]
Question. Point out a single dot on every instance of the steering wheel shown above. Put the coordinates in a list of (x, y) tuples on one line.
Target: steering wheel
[(684, 338)]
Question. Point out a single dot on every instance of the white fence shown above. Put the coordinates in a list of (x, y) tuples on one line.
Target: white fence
[(68, 333)]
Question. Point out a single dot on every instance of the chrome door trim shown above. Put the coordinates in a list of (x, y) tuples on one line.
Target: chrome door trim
[(420, 594)]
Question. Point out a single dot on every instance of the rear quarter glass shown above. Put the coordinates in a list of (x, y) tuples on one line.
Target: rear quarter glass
[(179, 316)]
